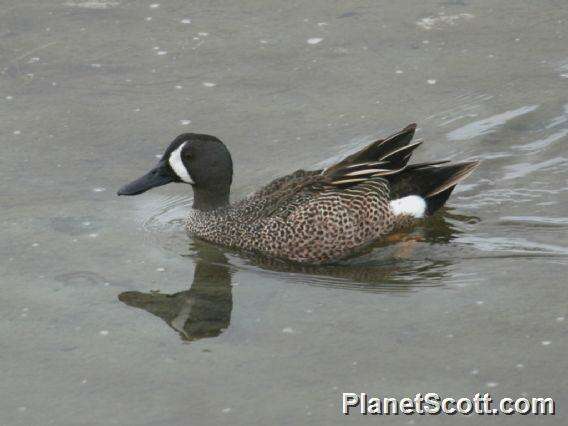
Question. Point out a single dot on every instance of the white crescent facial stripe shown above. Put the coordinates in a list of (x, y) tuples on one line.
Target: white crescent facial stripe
[(177, 164)]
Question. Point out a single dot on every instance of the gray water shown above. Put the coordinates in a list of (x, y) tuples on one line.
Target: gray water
[(111, 315)]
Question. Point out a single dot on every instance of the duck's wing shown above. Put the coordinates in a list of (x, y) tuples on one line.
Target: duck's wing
[(369, 165), (359, 175), (377, 170), (293, 179), (382, 158), (388, 159)]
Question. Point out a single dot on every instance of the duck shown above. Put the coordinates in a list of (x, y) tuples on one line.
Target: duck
[(309, 216)]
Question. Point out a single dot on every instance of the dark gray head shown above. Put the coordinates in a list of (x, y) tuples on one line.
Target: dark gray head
[(202, 161)]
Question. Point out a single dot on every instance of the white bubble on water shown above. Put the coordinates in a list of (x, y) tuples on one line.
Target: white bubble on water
[(103, 332), (17, 132), (99, 189), (315, 40), (209, 84), (93, 4), (431, 81), (288, 330), (186, 21), (492, 384), (442, 20), (185, 122), (162, 52), (154, 5), (545, 342)]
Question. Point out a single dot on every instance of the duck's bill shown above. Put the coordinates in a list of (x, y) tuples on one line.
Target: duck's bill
[(155, 177)]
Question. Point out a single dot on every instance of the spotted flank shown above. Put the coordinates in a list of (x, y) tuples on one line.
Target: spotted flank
[(314, 217)]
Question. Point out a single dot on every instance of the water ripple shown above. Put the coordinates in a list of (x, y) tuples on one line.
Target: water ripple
[(488, 125)]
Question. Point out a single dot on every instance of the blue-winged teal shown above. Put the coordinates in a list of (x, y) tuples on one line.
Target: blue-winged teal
[(314, 216)]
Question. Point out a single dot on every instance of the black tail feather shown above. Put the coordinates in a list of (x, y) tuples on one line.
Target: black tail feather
[(432, 181), (435, 202)]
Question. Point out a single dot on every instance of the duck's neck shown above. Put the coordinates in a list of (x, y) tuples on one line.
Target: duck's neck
[(210, 199)]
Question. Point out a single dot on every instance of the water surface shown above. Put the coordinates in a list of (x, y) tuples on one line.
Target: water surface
[(111, 315)]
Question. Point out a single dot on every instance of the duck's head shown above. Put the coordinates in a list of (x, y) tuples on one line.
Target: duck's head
[(202, 161)]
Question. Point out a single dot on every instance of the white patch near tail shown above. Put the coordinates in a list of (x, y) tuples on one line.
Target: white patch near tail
[(413, 205), (178, 166)]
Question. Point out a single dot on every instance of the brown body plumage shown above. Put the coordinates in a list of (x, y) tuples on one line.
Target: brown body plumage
[(311, 217), (326, 215)]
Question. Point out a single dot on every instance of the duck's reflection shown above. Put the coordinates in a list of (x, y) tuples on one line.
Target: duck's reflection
[(202, 311), (394, 266)]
